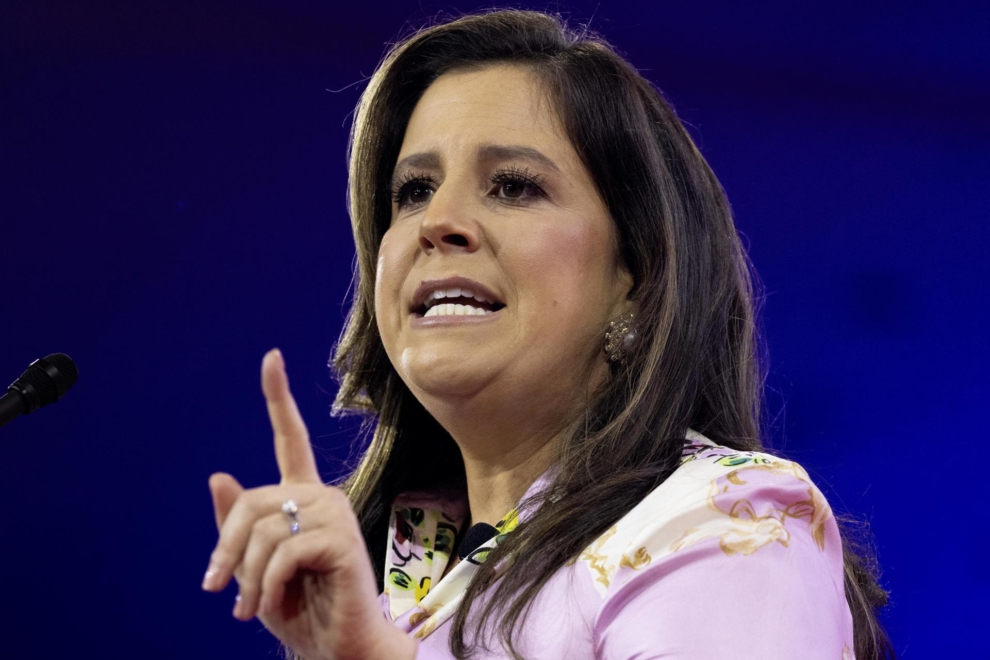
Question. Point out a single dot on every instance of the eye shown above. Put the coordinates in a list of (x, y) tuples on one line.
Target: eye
[(516, 185), (413, 189)]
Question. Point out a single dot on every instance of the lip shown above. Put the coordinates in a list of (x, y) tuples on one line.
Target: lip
[(434, 321), (426, 287)]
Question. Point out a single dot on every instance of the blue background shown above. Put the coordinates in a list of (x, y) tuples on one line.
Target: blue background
[(172, 179)]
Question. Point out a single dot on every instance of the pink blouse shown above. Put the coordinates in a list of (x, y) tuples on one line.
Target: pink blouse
[(736, 555)]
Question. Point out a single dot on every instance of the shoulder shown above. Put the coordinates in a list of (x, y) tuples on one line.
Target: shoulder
[(735, 554), (741, 503)]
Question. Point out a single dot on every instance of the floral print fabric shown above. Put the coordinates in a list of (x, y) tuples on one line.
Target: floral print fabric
[(736, 554), (421, 540)]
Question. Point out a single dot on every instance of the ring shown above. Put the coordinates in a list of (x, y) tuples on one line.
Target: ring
[(290, 508)]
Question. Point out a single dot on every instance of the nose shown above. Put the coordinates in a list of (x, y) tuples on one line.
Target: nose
[(446, 224)]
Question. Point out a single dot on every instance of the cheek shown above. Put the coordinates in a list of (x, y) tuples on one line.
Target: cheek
[(568, 265), (390, 273)]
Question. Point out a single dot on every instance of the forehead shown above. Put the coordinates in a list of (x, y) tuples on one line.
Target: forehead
[(501, 103)]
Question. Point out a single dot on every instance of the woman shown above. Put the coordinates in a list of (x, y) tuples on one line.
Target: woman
[(553, 331)]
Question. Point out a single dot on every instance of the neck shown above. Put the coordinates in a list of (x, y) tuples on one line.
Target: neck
[(508, 438), (496, 483), (504, 452)]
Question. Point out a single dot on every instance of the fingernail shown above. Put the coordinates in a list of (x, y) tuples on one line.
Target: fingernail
[(238, 606), (210, 578)]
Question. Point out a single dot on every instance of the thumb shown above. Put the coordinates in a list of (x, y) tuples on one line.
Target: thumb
[(225, 491)]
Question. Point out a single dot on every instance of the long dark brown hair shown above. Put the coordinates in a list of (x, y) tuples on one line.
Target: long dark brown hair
[(697, 361)]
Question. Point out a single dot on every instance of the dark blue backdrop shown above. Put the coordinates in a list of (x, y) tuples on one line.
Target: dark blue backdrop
[(172, 180)]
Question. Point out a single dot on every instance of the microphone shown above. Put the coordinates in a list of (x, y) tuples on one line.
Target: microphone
[(45, 381), (474, 538)]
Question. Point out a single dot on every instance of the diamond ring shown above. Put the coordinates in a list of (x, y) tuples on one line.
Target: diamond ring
[(290, 508)]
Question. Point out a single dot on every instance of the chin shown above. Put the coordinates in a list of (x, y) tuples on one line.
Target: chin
[(444, 376)]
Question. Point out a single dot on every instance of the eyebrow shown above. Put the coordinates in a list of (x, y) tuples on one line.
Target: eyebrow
[(428, 160), (486, 153), (497, 152)]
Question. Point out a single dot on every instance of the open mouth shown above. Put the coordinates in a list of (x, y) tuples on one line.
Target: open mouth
[(457, 301)]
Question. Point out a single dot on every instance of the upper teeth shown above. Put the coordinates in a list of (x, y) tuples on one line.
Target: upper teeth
[(456, 310), (434, 306), (455, 293)]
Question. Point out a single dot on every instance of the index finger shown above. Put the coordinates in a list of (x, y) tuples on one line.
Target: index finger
[(293, 452)]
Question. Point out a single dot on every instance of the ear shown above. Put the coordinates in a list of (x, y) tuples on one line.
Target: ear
[(622, 286)]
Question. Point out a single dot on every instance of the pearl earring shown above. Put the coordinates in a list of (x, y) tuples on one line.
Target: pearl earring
[(620, 337)]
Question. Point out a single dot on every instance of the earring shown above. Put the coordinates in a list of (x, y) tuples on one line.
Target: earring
[(620, 337)]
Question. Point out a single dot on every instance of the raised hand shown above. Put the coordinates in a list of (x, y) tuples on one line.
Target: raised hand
[(310, 583)]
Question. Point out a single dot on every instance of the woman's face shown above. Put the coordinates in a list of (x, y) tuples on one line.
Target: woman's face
[(499, 273)]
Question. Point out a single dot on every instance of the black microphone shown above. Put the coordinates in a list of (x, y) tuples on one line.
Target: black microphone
[(475, 538), (45, 381)]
